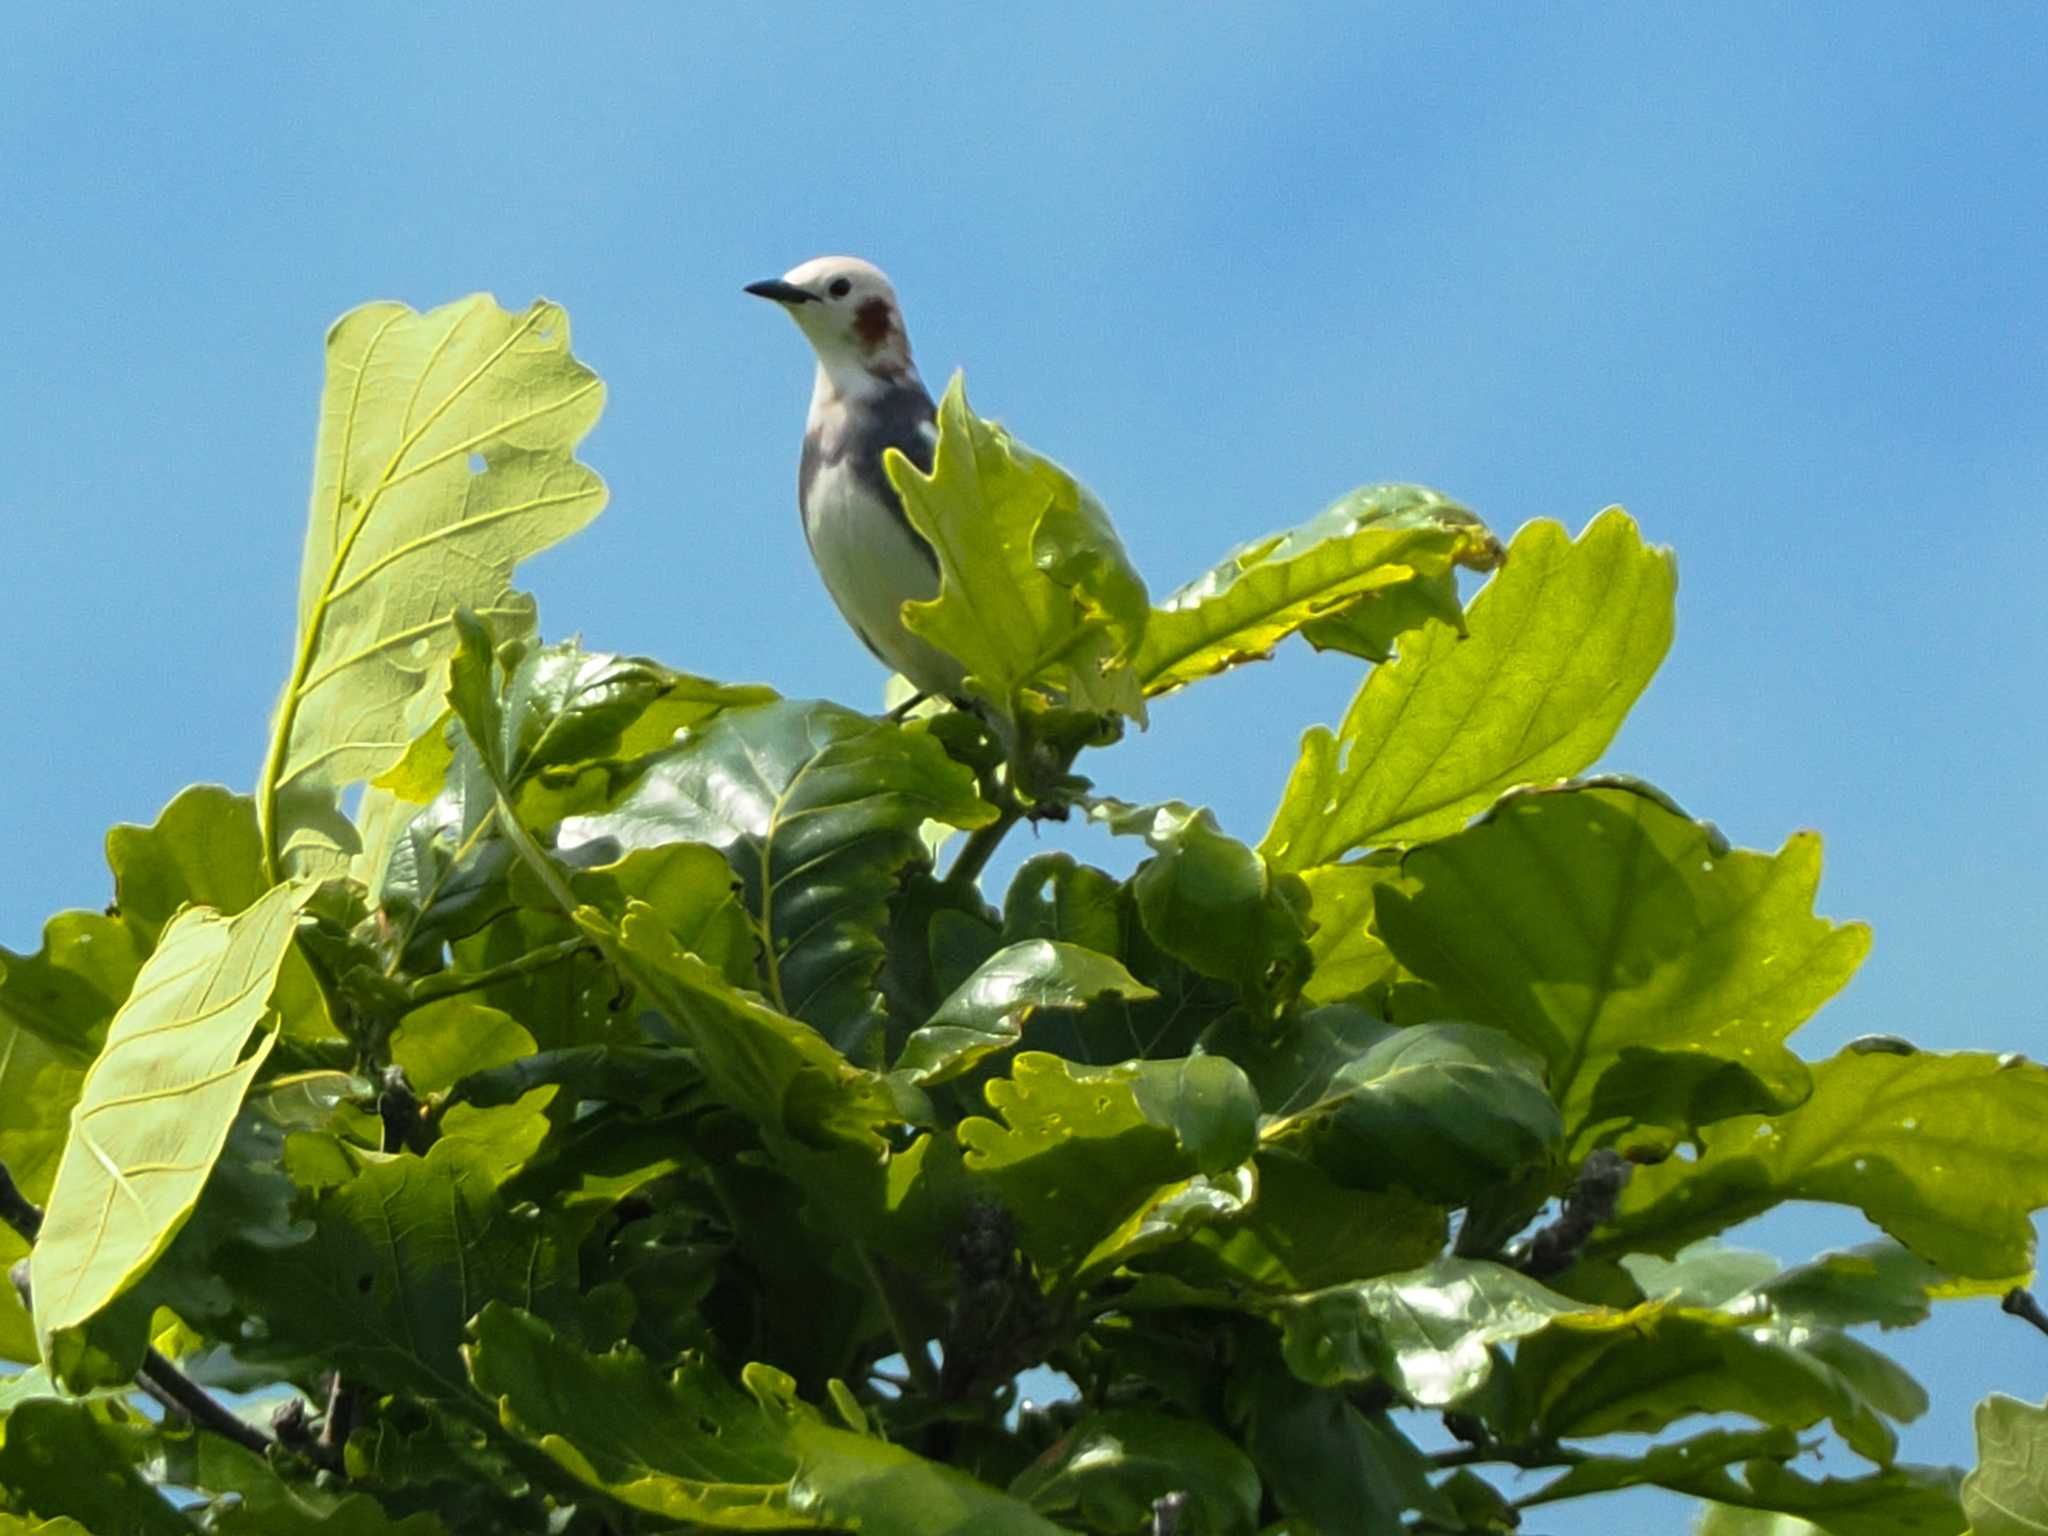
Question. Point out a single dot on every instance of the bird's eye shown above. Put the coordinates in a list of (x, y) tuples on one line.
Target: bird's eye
[(841, 287)]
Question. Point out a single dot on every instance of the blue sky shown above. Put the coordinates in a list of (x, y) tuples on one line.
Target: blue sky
[(1769, 276)]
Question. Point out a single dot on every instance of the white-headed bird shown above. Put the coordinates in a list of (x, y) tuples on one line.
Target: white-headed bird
[(867, 399)]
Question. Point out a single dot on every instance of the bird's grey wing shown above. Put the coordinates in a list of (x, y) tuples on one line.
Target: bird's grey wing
[(905, 419)]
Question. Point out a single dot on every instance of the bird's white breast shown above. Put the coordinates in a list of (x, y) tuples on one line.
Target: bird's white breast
[(873, 565)]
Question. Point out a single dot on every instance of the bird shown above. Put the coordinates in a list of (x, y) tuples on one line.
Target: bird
[(866, 398)]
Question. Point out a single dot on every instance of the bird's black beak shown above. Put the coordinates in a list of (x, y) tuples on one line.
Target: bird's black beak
[(782, 293)]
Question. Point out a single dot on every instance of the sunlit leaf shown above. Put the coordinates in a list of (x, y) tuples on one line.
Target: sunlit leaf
[(260, 1502), (1655, 972), (991, 1009), (1561, 642), (444, 1043), (1034, 589), (1429, 1332), (1347, 954), (446, 456), (1305, 1232), (1602, 1372), (1942, 1151), (1672, 1465), (1078, 1150), (205, 850), (66, 993), (1373, 539), (2006, 1493), (155, 1108)]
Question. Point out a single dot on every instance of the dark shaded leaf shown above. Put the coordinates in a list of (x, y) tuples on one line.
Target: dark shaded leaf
[(1110, 1469), (818, 809)]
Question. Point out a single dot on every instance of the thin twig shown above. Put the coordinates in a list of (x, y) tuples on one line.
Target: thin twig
[(15, 1209), (158, 1377), (2021, 1304), (1529, 1456), (165, 1382)]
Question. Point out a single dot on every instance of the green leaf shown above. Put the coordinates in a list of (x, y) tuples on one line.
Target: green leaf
[(1561, 642), (2006, 1493), (1678, 1464), (1879, 1282), (205, 850), (818, 809), (66, 993), (1110, 1468), (1444, 1110), (692, 1447), (1766, 1499), (988, 1012), (445, 1043), (1429, 1333), (694, 892), (1605, 1372), (1210, 901), (1329, 1464), (778, 1072), (1305, 1232), (1052, 896), (1655, 972), (1941, 1151), (60, 1459), (403, 1254), (1376, 538), (1035, 592), (446, 456), (39, 1083), (645, 1077), (565, 706), (259, 1502), (1080, 1150), (155, 1109), (1347, 954)]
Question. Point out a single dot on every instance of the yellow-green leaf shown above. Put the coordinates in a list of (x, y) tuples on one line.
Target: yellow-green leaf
[(1375, 538), (446, 456), (1560, 644), (1034, 589), (1942, 1151), (156, 1107)]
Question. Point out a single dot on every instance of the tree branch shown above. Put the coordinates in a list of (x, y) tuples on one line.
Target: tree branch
[(158, 1377), (2021, 1304), (15, 1209)]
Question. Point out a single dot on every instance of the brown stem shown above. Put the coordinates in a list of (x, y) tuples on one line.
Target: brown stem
[(2021, 1304), (158, 1377)]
